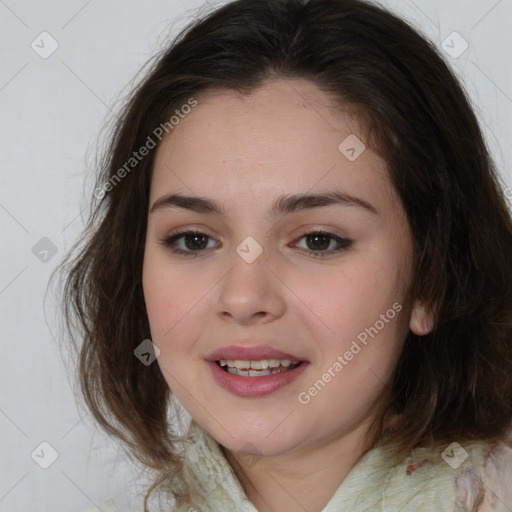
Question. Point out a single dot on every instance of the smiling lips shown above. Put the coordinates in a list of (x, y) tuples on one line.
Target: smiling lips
[(254, 353), (256, 361), (254, 371), (259, 368)]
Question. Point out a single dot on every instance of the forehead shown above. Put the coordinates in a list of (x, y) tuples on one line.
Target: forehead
[(285, 137)]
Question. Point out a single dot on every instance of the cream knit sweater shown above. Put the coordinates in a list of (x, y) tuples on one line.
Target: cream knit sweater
[(423, 482)]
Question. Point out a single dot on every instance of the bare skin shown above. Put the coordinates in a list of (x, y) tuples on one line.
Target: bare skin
[(245, 152)]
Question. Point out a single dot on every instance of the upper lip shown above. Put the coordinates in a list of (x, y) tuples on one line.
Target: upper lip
[(248, 353)]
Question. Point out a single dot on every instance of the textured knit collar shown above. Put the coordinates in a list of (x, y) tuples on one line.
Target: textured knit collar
[(420, 483), (459, 479)]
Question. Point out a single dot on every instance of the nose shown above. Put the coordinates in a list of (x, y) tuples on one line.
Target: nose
[(250, 293)]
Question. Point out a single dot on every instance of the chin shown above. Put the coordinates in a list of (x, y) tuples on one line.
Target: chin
[(258, 438)]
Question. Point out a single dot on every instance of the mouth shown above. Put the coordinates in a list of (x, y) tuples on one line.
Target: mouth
[(248, 370), (258, 368), (255, 378)]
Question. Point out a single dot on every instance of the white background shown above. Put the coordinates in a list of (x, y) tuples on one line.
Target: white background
[(52, 111)]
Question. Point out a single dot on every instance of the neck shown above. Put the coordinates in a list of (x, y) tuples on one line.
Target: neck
[(304, 479)]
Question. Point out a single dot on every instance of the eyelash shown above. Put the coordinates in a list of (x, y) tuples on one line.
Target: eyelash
[(170, 241)]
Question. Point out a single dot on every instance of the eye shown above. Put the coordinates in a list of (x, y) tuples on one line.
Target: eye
[(193, 242), (318, 241)]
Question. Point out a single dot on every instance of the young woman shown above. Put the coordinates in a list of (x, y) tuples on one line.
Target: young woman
[(301, 237)]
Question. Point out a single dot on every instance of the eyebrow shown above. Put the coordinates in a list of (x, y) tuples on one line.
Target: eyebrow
[(283, 205)]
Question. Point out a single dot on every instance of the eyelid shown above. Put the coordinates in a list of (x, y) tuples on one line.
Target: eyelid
[(317, 228), (343, 243), (194, 228)]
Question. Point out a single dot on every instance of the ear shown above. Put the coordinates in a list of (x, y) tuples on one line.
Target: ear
[(422, 321)]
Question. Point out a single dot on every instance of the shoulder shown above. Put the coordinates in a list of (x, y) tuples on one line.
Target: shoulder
[(466, 477), (487, 482)]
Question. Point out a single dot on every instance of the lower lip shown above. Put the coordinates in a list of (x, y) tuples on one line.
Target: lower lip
[(254, 386)]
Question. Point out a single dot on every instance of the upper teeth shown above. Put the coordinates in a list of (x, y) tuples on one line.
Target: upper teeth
[(263, 364)]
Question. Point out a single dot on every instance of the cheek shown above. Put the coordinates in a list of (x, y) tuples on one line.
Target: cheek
[(174, 311), (363, 308), (352, 298), (168, 296), (161, 309), (178, 302)]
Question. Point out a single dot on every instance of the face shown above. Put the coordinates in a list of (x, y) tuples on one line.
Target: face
[(271, 279)]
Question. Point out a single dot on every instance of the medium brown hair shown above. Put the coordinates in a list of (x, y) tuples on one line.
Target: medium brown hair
[(451, 384)]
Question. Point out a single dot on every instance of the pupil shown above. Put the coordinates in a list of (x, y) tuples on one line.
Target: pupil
[(195, 238), (316, 237)]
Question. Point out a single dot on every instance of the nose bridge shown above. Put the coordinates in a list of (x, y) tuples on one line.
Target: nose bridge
[(249, 290)]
